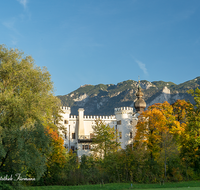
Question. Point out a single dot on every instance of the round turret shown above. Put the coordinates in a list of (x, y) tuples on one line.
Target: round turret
[(139, 93), (140, 104)]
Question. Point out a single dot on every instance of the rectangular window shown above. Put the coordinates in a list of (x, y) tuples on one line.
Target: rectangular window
[(120, 135), (65, 135), (73, 135), (86, 147), (131, 122), (119, 122), (131, 135), (65, 121), (73, 148)]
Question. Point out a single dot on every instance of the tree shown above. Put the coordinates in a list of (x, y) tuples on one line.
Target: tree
[(27, 104), (190, 138), (155, 129), (58, 154), (57, 159), (181, 108), (105, 139), (151, 124)]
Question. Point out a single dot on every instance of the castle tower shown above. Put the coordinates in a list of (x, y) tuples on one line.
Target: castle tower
[(81, 130), (140, 104), (123, 121), (66, 113)]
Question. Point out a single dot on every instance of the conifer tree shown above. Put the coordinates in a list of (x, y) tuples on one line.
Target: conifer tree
[(105, 139)]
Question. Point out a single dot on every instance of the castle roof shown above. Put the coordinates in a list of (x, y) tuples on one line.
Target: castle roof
[(140, 104)]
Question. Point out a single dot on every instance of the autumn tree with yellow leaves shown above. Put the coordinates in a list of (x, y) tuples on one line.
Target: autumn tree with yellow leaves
[(155, 129), (190, 137)]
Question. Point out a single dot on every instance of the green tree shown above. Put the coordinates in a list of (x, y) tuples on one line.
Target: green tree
[(190, 138), (27, 104), (105, 139)]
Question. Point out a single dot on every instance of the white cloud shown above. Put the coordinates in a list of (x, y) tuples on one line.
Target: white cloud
[(11, 25), (23, 2), (142, 66)]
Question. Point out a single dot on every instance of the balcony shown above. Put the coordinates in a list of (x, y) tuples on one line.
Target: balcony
[(85, 138)]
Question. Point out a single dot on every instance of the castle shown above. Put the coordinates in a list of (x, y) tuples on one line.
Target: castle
[(80, 132)]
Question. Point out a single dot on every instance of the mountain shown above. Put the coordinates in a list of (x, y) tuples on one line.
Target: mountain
[(101, 99)]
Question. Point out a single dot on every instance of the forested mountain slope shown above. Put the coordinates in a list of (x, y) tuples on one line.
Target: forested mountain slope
[(101, 99)]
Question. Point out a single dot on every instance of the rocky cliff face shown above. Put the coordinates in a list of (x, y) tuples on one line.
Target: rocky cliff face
[(102, 99)]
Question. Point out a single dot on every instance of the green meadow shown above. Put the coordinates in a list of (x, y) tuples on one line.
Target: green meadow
[(193, 185)]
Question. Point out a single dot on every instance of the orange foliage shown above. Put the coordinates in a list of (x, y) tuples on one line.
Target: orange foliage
[(165, 108), (154, 124), (175, 115), (151, 124), (57, 156), (181, 107)]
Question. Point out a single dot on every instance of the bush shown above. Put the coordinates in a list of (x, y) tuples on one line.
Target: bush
[(6, 187)]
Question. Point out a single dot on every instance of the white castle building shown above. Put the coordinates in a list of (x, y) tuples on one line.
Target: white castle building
[(80, 132)]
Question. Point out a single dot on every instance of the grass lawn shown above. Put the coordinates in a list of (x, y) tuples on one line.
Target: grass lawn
[(180, 188), (192, 185)]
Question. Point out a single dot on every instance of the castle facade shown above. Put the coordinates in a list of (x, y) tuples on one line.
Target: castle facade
[(80, 132)]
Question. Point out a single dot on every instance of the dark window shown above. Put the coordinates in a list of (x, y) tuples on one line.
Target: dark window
[(86, 147), (73, 148), (119, 122), (65, 135), (65, 121), (73, 135), (131, 122), (131, 135), (120, 135)]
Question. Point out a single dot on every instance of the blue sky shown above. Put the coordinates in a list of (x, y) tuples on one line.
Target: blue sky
[(106, 41)]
